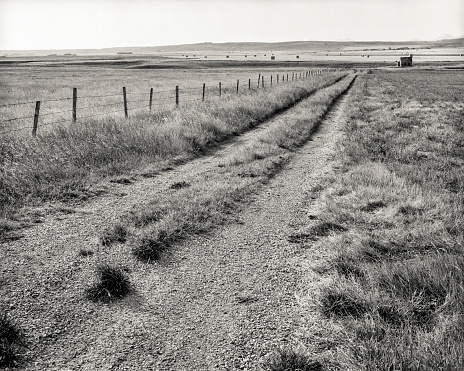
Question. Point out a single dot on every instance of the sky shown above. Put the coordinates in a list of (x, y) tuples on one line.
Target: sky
[(74, 24)]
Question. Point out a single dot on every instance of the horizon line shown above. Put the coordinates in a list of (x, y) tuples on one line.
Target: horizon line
[(240, 42)]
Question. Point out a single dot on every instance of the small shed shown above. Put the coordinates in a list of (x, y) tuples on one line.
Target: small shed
[(406, 61)]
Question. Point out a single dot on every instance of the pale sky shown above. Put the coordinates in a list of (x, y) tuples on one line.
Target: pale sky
[(67, 24)]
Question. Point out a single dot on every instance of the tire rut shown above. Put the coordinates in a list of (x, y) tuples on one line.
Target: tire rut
[(160, 327)]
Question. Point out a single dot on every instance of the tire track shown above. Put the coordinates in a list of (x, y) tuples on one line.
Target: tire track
[(49, 250)]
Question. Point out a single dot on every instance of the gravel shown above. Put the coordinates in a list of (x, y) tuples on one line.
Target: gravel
[(220, 301)]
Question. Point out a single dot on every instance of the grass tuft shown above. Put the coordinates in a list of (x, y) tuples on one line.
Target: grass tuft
[(321, 229), (179, 185), (348, 266), (11, 340), (340, 303), (112, 283), (391, 314), (291, 360), (151, 247), (121, 180), (117, 233), (85, 252)]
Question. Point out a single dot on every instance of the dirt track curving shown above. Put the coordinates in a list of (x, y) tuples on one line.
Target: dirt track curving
[(222, 301)]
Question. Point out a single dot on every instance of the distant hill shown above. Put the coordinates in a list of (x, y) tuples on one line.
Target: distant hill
[(445, 37), (247, 47)]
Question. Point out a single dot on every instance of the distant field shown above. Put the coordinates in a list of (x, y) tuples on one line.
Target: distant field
[(100, 83)]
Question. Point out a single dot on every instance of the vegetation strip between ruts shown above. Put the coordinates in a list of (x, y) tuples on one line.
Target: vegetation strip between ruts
[(203, 205)]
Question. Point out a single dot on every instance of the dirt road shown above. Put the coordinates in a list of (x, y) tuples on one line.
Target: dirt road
[(221, 301)]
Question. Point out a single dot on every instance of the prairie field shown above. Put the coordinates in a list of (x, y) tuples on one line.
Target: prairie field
[(395, 300), (315, 224), (61, 160), (100, 89)]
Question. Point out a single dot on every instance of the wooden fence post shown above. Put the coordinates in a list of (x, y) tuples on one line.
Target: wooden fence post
[(259, 78), (237, 85), (262, 81), (249, 84), (125, 101), (151, 97), (36, 118), (271, 80), (203, 97), (74, 104), (287, 77), (277, 78), (177, 95), (220, 89)]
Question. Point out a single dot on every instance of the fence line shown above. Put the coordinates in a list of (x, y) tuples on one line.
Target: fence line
[(14, 104), (152, 98)]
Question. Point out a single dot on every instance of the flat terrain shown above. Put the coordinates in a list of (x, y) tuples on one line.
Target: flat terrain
[(325, 232), (216, 302)]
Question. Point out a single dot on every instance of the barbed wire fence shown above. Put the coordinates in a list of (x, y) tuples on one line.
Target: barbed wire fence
[(153, 99)]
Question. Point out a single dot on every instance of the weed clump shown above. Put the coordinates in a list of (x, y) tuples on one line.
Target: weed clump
[(117, 233), (151, 248), (112, 283), (11, 340), (289, 360)]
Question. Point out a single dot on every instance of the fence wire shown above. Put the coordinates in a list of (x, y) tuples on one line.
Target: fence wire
[(15, 104), (201, 93)]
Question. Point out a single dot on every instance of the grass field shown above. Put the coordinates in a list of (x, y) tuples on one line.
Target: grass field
[(63, 161), (396, 299), (99, 88)]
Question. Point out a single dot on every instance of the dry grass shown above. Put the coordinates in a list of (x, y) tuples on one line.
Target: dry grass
[(200, 207), (291, 360), (399, 289), (65, 162)]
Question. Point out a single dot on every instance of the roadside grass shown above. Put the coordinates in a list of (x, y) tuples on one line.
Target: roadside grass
[(64, 162), (398, 269), (202, 206), (288, 359)]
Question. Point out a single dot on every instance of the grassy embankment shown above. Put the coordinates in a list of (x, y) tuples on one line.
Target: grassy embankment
[(65, 162), (396, 301)]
